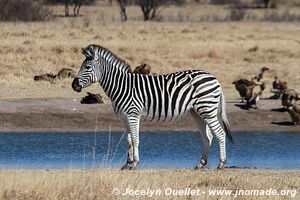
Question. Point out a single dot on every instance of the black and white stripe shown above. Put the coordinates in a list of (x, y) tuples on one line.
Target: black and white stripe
[(162, 98)]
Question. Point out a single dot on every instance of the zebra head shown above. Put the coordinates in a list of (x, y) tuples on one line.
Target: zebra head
[(89, 72)]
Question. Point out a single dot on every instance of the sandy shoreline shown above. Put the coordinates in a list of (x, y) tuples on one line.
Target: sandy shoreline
[(70, 115)]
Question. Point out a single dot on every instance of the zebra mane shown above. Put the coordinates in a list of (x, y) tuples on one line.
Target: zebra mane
[(111, 58)]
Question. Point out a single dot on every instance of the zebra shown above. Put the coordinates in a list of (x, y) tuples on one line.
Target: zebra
[(160, 98)]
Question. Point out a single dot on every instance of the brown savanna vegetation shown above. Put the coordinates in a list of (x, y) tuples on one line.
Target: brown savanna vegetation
[(191, 36), (99, 184)]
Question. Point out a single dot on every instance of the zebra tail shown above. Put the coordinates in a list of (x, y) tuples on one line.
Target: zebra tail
[(224, 119)]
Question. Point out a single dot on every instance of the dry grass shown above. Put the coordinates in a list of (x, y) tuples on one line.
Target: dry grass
[(28, 49), (98, 184)]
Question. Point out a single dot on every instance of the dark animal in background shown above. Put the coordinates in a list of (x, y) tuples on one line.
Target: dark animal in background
[(294, 111), (62, 73), (289, 97), (65, 73), (279, 85), (142, 69), (260, 75), (248, 90), (242, 86), (259, 79), (262, 85), (253, 95), (44, 77), (77, 5), (92, 99), (278, 88), (251, 89)]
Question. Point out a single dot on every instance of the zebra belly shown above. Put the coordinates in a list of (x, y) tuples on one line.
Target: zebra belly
[(163, 117)]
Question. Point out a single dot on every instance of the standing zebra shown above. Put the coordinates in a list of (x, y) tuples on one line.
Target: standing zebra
[(157, 98)]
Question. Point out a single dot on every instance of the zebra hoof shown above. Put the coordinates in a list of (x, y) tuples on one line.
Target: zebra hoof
[(126, 167), (133, 168), (199, 167), (221, 166)]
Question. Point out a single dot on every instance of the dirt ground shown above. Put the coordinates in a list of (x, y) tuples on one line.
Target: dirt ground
[(70, 115)]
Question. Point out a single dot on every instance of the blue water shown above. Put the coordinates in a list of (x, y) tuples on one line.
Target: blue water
[(157, 150)]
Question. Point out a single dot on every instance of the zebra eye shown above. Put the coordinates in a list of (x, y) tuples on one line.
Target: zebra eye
[(88, 67)]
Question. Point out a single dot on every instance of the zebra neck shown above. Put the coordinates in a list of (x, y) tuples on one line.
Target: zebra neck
[(114, 82), (113, 61)]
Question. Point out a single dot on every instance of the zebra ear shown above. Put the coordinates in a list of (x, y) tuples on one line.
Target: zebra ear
[(88, 52)]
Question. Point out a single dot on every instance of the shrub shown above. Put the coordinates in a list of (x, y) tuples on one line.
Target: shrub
[(150, 7), (266, 3), (281, 17), (222, 2), (23, 10), (237, 14), (85, 2)]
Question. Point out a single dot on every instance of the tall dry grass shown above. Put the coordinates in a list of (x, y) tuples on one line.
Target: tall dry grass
[(99, 184), (28, 49)]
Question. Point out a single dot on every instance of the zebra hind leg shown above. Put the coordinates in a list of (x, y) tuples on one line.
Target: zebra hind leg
[(210, 117), (217, 130), (206, 139)]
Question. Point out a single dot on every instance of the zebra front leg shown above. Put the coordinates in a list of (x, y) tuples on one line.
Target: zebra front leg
[(136, 159), (130, 153), (135, 142), (206, 139), (133, 129)]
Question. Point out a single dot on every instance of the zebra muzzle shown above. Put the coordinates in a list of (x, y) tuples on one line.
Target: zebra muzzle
[(75, 85)]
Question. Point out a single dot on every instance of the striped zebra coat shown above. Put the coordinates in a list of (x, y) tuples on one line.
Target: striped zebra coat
[(163, 98)]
